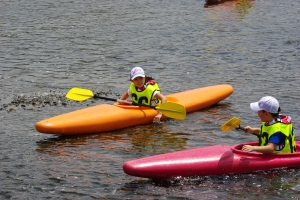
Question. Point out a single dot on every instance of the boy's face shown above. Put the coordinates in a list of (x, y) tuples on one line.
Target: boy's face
[(264, 115), (139, 81)]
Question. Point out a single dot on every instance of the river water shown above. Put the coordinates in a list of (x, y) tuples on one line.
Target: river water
[(48, 47)]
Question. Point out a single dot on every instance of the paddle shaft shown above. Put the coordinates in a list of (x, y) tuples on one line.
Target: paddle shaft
[(124, 101)]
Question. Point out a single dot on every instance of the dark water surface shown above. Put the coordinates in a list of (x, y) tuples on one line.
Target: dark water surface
[(48, 47)]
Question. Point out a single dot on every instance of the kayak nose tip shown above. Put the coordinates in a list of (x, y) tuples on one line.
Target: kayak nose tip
[(42, 126)]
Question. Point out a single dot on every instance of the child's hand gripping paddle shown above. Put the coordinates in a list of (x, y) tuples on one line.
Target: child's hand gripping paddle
[(233, 123), (169, 109)]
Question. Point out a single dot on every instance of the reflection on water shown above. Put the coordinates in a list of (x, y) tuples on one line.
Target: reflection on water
[(155, 139), (226, 7), (237, 186), (243, 7), (147, 138)]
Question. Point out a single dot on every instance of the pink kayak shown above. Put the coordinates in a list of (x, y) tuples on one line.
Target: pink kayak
[(210, 160)]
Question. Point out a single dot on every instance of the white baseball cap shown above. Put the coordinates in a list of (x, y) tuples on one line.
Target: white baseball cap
[(267, 103), (136, 72)]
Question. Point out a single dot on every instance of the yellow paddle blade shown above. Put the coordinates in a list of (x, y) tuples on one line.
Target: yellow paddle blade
[(79, 94), (172, 110), (231, 124)]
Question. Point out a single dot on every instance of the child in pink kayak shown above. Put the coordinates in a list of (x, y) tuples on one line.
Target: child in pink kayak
[(144, 90), (276, 134)]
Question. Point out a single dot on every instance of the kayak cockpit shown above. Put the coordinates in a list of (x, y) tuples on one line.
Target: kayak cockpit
[(129, 106), (237, 149)]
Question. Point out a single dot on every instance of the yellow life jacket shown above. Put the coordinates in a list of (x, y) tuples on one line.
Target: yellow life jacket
[(145, 96), (282, 125)]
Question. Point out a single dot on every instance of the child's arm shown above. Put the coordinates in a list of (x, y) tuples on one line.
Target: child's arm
[(163, 100), (269, 148), (124, 96), (161, 97), (249, 129)]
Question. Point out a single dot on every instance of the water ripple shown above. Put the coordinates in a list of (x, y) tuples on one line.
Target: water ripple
[(49, 47)]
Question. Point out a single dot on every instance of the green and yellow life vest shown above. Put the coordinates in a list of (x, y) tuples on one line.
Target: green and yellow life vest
[(282, 125), (144, 96)]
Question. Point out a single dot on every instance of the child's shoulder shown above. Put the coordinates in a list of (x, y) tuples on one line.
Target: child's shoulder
[(285, 119), (150, 80)]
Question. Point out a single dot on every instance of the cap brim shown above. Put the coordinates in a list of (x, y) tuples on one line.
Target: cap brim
[(255, 106), (137, 75)]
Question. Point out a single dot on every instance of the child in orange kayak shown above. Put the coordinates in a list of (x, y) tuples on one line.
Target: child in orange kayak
[(276, 134), (144, 90)]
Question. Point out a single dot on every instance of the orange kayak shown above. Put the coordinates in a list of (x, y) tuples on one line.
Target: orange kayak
[(107, 117)]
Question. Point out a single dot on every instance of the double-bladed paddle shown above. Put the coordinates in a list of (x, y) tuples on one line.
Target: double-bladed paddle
[(169, 109), (234, 123)]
